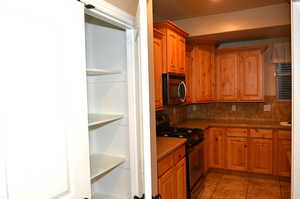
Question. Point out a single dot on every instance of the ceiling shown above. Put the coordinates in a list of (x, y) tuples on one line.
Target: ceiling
[(180, 9), (253, 34)]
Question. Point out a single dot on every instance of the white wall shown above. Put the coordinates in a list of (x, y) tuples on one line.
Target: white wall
[(128, 6), (267, 16)]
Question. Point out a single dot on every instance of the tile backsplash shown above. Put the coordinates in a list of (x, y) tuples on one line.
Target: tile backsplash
[(274, 111)]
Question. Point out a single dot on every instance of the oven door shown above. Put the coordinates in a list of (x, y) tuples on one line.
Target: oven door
[(196, 165)]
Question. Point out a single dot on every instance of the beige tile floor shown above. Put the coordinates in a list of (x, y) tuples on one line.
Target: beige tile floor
[(237, 186)]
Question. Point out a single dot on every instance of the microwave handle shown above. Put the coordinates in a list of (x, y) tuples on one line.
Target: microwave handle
[(178, 90)]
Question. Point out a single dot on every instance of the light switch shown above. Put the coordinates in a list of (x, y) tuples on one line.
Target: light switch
[(267, 107), (233, 107)]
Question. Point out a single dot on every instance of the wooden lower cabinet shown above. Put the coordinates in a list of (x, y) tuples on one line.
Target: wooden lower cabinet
[(180, 173), (262, 151), (216, 147), (284, 154), (261, 156), (237, 153), (172, 175), (167, 185)]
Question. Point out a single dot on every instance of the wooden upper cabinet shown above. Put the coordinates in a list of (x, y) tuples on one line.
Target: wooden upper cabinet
[(175, 43), (216, 147), (188, 74), (240, 74), (172, 53), (227, 64), (158, 54), (237, 153), (181, 54), (251, 76), (203, 73)]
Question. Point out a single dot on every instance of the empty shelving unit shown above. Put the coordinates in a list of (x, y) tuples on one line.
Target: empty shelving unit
[(108, 109)]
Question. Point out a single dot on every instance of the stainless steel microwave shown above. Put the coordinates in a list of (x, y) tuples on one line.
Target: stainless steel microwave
[(174, 89)]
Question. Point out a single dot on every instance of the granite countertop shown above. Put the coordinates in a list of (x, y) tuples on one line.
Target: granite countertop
[(165, 145), (204, 124)]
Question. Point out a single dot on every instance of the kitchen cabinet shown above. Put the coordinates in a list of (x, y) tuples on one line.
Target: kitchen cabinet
[(188, 74), (175, 46), (159, 63), (227, 76), (203, 73), (261, 151), (172, 175), (167, 186), (216, 147), (240, 74), (180, 173), (237, 153), (250, 75), (284, 150), (77, 76)]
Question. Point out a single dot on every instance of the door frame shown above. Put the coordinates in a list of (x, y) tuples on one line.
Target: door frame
[(295, 15), (139, 95)]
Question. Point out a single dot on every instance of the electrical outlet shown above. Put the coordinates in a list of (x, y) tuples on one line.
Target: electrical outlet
[(267, 107), (233, 107)]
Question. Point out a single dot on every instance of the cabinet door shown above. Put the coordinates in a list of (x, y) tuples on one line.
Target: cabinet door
[(46, 142), (237, 153), (158, 67), (167, 185), (180, 172), (227, 76), (284, 164), (188, 76), (250, 76), (203, 76), (172, 51), (181, 54), (261, 156), (216, 147)]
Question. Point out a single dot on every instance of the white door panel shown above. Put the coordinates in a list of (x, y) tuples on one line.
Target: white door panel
[(45, 112)]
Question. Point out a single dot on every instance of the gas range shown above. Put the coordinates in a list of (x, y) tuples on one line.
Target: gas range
[(194, 152), (193, 136)]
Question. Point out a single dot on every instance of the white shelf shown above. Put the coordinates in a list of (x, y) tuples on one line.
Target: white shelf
[(99, 119), (95, 72), (101, 164), (101, 196)]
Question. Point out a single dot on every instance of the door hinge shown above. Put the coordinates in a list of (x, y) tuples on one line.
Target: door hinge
[(143, 197), (87, 6), (136, 197)]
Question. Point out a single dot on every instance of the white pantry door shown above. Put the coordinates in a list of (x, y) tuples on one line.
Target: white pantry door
[(43, 109)]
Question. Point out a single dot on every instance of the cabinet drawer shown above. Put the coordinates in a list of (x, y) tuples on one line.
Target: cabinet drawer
[(286, 135), (179, 154), (165, 164), (261, 133), (237, 132)]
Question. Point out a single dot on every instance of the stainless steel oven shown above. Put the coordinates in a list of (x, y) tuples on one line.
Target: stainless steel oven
[(174, 89)]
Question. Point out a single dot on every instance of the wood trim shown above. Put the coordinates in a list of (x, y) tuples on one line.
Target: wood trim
[(262, 48), (170, 25), (157, 33), (203, 42)]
